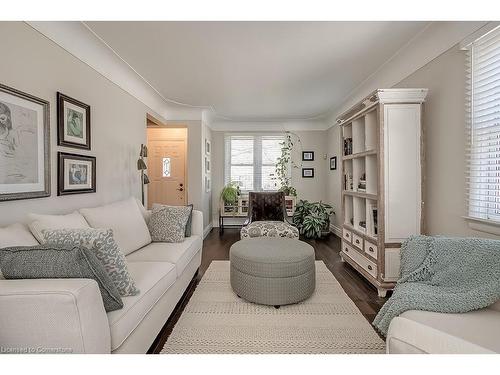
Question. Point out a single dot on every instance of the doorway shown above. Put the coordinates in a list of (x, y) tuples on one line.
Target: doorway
[(167, 165)]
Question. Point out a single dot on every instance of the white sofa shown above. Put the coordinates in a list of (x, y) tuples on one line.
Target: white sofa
[(418, 332), (68, 314)]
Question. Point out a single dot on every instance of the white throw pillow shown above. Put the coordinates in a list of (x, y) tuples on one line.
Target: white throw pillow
[(38, 223), (124, 217), (16, 235)]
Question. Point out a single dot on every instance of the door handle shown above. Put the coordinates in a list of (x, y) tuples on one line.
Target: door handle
[(180, 189)]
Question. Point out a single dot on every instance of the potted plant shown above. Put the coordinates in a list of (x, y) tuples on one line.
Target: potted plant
[(312, 219), (230, 194)]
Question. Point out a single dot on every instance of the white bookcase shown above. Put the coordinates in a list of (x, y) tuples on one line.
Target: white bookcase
[(382, 201)]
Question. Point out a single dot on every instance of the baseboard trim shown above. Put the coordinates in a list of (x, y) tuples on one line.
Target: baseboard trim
[(336, 230), (207, 230)]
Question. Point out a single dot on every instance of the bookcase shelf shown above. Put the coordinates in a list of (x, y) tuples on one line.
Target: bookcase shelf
[(381, 191)]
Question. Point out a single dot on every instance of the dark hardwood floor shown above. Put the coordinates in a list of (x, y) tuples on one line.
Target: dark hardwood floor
[(216, 247)]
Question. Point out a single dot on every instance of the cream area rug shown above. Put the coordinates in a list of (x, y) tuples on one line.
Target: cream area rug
[(217, 321)]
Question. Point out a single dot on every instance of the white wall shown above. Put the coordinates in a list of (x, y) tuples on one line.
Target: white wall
[(33, 64)]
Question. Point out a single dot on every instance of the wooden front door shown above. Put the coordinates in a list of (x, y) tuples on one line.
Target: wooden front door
[(167, 172)]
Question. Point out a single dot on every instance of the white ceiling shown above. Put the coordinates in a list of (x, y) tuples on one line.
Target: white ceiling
[(258, 71)]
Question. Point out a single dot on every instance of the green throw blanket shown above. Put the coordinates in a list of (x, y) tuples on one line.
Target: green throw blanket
[(443, 274)]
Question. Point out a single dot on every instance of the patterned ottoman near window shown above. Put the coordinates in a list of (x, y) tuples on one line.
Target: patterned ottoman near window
[(269, 229)]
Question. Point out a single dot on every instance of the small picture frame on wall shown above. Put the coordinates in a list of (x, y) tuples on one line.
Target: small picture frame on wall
[(208, 147), (207, 165), (307, 155), (73, 122), (333, 163), (307, 172), (76, 174)]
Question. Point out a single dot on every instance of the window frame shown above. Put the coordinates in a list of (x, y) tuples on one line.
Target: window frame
[(257, 158)]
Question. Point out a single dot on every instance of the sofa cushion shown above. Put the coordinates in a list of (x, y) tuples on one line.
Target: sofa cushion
[(38, 223), (55, 262), (179, 254), (103, 245), (473, 332), (125, 218), (168, 223), (16, 235), (153, 279)]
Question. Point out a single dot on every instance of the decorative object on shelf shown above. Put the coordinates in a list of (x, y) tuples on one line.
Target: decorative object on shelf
[(284, 161), (308, 172), (312, 219), (290, 204), (307, 155), (208, 147), (73, 122), (362, 183), (76, 174), (333, 163), (141, 166), (347, 146), (24, 145)]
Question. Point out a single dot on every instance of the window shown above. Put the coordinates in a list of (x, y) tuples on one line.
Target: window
[(166, 167), (251, 161), (483, 125)]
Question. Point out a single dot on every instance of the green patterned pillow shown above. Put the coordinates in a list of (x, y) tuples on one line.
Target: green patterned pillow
[(168, 223), (103, 245)]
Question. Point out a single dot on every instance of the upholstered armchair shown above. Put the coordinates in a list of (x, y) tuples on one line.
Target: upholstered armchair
[(267, 217)]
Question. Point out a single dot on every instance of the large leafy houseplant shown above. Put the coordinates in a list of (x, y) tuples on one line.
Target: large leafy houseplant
[(230, 193), (284, 161), (312, 219)]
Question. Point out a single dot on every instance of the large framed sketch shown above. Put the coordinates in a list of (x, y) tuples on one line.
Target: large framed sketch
[(73, 122), (76, 174), (24, 145)]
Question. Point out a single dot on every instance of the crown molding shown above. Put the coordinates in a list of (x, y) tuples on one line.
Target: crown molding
[(273, 126), (78, 40), (434, 40)]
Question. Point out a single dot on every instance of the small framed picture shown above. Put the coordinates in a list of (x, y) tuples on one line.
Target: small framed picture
[(207, 147), (207, 184), (333, 163), (76, 174), (73, 122), (308, 172), (307, 155), (207, 165)]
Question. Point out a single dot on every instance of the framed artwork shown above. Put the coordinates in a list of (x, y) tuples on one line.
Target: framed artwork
[(76, 174), (207, 165), (308, 172), (307, 155), (207, 184), (73, 122), (24, 145), (333, 163), (207, 147)]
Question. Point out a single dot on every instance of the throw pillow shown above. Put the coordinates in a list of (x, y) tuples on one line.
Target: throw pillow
[(168, 223), (16, 235), (124, 217), (189, 223), (38, 223), (103, 245), (53, 262)]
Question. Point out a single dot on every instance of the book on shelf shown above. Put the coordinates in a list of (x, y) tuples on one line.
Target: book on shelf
[(371, 222), (348, 181)]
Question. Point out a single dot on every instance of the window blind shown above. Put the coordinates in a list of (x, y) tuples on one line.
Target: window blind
[(483, 127), (250, 161)]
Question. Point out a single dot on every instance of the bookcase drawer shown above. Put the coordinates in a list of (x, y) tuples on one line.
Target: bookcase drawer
[(371, 249), (360, 259), (357, 241), (347, 235)]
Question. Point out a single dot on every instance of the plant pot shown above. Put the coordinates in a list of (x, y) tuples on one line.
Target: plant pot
[(325, 231)]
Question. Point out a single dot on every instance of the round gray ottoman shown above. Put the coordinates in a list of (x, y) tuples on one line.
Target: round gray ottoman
[(272, 271)]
